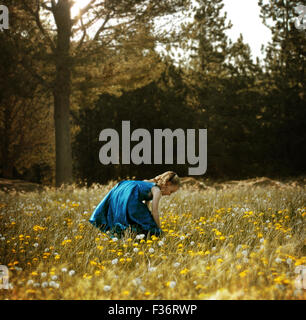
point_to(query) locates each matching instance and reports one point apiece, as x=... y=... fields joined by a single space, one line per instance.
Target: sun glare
x=78 y=5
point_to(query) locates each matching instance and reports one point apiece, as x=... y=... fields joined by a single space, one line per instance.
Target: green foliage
x=254 y=111
x=25 y=118
x=285 y=99
x=160 y=104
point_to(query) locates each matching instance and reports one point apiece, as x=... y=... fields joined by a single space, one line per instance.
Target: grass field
x=243 y=242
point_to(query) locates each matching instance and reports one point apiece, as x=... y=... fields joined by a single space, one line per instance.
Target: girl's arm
x=156 y=197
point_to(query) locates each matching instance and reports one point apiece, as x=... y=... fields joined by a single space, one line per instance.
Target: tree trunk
x=7 y=170
x=61 y=93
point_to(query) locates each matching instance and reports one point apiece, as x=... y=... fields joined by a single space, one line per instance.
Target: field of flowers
x=238 y=243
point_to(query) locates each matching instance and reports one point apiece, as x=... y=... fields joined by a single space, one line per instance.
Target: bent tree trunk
x=61 y=94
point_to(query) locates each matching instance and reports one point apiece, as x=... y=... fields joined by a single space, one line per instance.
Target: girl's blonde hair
x=163 y=178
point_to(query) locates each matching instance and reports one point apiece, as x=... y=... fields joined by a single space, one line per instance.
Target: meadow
x=242 y=242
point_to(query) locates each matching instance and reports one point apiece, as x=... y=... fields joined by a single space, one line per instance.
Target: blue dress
x=122 y=207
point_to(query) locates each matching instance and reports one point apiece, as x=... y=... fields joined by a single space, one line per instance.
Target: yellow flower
x=147 y=293
x=184 y=271
x=243 y=273
x=280 y=279
x=66 y=241
x=30 y=291
x=38 y=228
x=298 y=262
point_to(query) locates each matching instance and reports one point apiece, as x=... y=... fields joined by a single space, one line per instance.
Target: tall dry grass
x=238 y=243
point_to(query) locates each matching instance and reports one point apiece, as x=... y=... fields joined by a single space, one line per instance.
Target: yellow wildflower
x=243 y=273
x=184 y=271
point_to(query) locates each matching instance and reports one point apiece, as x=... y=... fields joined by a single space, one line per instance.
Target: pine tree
x=159 y=104
x=117 y=17
x=285 y=64
x=25 y=118
x=207 y=32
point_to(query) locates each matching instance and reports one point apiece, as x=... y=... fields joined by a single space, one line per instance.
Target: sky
x=244 y=15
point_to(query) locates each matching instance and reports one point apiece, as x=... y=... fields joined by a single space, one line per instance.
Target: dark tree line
x=254 y=111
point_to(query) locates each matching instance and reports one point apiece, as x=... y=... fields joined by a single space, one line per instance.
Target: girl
x=123 y=205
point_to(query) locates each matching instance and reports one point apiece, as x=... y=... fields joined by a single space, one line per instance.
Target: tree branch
x=82 y=11
x=83 y=37
x=35 y=14
x=41 y=80
x=108 y=16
